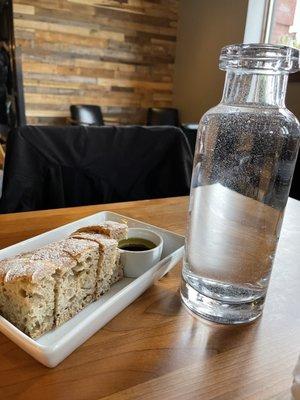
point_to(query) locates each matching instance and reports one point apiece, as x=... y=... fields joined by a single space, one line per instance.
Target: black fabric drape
x=52 y=167
x=4 y=69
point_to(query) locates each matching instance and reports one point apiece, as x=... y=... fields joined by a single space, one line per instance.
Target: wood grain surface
x=118 y=54
x=155 y=349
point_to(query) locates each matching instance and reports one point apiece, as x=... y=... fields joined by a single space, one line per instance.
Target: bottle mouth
x=261 y=57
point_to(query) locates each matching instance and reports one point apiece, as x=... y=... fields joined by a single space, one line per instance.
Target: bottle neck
x=244 y=88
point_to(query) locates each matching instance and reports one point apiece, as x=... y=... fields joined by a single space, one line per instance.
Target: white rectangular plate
x=53 y=347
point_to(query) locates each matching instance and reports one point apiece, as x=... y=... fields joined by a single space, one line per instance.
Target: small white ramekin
x=137 y=262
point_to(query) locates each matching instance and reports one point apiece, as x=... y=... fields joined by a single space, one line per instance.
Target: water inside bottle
x=231 y=243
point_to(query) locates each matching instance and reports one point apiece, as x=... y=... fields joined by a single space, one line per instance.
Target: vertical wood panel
x=118 y=54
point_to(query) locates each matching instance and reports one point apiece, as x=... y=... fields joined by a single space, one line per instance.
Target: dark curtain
x=52 y=167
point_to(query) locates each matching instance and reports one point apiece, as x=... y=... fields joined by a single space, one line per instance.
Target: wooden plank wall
x=118 y=54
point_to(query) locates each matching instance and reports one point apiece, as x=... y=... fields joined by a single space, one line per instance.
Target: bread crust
x=114 y=230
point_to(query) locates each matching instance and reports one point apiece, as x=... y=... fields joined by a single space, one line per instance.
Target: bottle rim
x=261 y=57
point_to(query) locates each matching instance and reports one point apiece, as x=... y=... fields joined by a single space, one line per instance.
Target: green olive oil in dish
x=136 y=244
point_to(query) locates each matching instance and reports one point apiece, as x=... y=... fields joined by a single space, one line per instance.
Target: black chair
x=162 y=116
x=86 y=115
x=52 y=167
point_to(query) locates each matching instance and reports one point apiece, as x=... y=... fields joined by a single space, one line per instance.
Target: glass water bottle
x=244 y=160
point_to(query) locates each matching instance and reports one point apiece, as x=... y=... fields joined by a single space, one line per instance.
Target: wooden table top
x=155 y=349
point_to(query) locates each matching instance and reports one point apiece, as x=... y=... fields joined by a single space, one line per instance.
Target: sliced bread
x=107 y=261
x=76 y=267
x=27 y=294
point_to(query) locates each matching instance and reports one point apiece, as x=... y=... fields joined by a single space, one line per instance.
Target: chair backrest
x=52 y=167
x=86 y=115
x=163 y=116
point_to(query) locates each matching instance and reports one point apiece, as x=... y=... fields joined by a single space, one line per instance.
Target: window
x=274 y=21
x=285 y=26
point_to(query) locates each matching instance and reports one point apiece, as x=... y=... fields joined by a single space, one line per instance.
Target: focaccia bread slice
x=114 y=230
x=65 y=281
x=86 y=254
x=76 y=265
x=108 y=257
x=27 y=290
x=118 y=273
